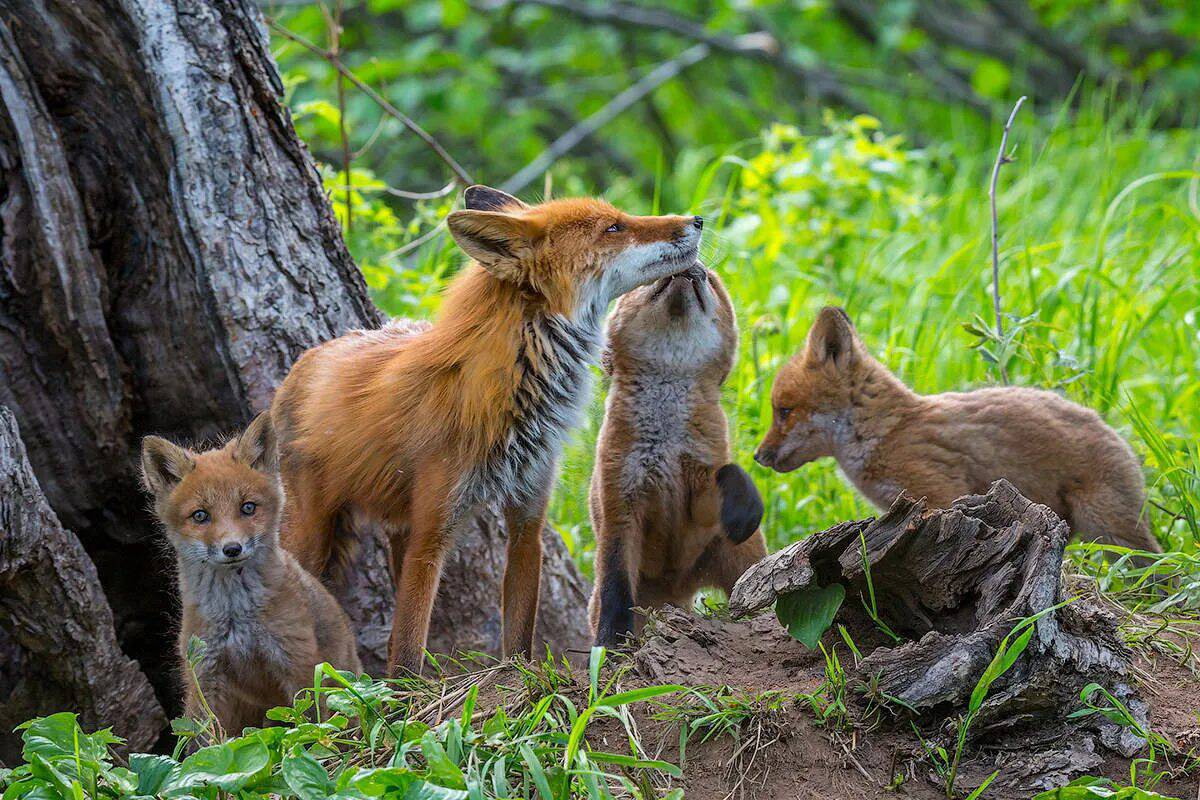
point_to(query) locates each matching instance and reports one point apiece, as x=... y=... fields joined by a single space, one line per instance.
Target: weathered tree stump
x=63 y=652
x=955 y=582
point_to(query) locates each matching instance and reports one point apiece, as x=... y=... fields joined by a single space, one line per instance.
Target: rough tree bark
x=74 y=663
x=166 y=252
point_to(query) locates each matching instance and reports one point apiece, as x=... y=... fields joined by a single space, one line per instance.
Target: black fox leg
x=741 y=504
x=615 y=594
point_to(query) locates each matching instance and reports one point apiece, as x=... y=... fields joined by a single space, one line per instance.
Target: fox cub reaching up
x=671 y=514
x=265 y=620
x=834 y=399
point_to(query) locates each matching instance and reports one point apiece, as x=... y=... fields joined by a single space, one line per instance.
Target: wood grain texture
x=58 y=621
x=953 y=583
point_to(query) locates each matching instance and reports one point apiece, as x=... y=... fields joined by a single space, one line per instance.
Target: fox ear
x=256 y=447
x=832 y=339
x=164 y=465
x=485 y=198
x=501 y=242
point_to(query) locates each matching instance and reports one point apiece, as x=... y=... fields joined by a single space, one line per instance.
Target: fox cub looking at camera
x=671 y=514
x=417 y=430
x=834 y=399
x=266 y=622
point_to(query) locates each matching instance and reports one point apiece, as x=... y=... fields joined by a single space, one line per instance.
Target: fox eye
x=783 y=413
x=199 y=516
x=616 y=227
x=248 y=508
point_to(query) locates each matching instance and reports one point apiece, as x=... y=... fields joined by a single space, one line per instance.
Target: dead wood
x=61 y=647
x=953 y=583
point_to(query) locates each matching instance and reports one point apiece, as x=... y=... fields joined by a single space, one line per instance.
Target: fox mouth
x=695 y=278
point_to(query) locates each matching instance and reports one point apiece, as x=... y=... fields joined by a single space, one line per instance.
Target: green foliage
x=1090 y=788
x=807 y=613
x=348 y=756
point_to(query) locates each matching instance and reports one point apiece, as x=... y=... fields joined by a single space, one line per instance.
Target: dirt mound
x=781 y=750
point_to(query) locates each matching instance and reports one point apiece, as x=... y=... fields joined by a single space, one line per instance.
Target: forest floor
x=760 y=734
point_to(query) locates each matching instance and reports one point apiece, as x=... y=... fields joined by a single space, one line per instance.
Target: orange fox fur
x=416 y=430
x=834 y=399
x=266 y=622
x=671 y=514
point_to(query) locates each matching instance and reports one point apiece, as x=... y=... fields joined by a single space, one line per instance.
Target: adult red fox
x=670 y=512
x=416 y=430
x=834 y=399
x=266 y=622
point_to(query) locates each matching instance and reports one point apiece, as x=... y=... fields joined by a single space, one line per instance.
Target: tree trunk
x=166 y=252
x=66 y=649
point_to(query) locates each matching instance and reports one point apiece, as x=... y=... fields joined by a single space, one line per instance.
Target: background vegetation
x=842 y=151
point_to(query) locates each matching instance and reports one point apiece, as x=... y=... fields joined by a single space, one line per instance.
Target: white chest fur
x=231 y=604
x=660 y=409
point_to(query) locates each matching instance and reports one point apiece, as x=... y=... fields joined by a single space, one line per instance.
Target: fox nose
x=765 y=456
x=231 y=550
x=697 y=222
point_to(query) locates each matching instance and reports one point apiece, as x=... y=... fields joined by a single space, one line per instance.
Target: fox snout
x=766 y=454
x=232 y=551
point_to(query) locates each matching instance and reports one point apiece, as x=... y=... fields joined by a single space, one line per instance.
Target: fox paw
x=741 y=504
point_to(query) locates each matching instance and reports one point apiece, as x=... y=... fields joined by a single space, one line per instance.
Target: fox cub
x=415 y=431
x=671 y=514
x=834 y=399
x=266 y=622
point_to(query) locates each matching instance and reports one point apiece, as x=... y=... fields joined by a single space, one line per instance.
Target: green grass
x=427 y=740
x=1100 y=248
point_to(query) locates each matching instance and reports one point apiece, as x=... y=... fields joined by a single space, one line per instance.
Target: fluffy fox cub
x=834 y=399
x=265 y=620
x=671 y=514
x=416 y=430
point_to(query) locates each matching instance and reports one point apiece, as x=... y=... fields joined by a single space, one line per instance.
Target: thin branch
x=333 y=23
x=1001 y=158
x=760 y=46
x=631 y=95
x=434 y=195
x=1018 y=14
x=405 y=249
x=406 y=195
x=860 y=16
x=460 y=173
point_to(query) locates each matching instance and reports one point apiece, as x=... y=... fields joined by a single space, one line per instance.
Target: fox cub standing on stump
x=834 y=399
x=416 y=431
x=671 y=514
x=265 y=620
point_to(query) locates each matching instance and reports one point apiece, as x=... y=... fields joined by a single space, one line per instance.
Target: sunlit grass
x=1100 y=236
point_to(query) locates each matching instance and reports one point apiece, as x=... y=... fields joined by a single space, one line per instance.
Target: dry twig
x=822 y=83
x=461 y=174
x=631 y=95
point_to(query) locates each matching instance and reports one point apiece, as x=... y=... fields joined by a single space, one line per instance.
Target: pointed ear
x=164 y=465
x=256 y=447
x=500 y=241
x=832 y=339
x=485 y=198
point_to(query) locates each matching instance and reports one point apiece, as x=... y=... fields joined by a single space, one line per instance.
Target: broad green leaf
x=807 y=613
x=229 y=766
x=306 y=777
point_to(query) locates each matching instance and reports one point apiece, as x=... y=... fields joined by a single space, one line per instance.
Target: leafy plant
x=807 y=613
x=1007 y=653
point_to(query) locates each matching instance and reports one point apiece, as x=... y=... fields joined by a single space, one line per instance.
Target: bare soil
x=788 y=754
